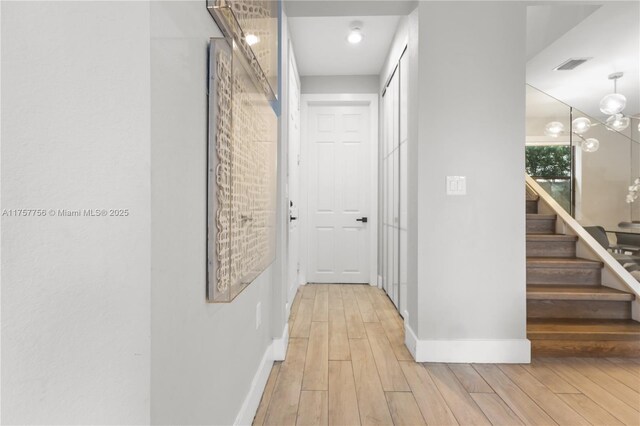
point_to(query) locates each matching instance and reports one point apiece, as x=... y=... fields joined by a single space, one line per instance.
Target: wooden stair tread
x=583 y=329
x=562 y=262
x=574 y=292
x=551 y=237
x=538 y=216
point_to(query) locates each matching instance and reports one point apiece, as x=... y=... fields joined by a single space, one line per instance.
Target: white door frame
x=370 y=100
x=293 y=68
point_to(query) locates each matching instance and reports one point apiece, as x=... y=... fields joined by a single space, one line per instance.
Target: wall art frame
x=242 y=174
x=254 y=26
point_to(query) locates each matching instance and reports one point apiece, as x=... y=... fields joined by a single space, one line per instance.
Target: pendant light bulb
x=615 y=102
x=590 y=145
x=618 y=122
x=581 y=125
x=554 y=129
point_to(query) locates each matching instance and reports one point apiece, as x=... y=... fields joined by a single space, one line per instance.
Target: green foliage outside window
x=548 y=161
x=551 y=166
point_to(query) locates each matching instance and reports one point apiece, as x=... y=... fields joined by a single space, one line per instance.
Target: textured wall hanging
x=253 y=26
x=242 y=161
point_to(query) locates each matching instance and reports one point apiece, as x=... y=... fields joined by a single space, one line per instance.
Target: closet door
x=402 y=166
x=394 y=187
x=386 y=142
x=395 y=199
x=391 y=194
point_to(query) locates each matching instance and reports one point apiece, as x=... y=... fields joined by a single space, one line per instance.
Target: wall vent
x=570 y=64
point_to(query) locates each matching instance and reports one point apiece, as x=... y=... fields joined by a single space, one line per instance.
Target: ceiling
x=321 y=47
x=308 y=8
x=610 y=35
x=607 y=33
x=547 y=23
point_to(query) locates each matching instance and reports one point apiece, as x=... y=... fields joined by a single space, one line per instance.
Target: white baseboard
x=292 y=293
x=276 y=351
x=279 y=346
x=506 y=351
x=410 y=338
x=252 y=400
x=379 y=281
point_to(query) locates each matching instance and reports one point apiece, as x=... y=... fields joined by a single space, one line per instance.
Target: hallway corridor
x=347 y=365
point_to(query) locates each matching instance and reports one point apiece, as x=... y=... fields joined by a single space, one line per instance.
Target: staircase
x=569 y=312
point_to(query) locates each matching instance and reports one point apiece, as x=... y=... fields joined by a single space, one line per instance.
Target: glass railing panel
x=559 y=188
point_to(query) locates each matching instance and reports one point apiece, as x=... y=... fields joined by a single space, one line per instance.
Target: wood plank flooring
x=347 y=365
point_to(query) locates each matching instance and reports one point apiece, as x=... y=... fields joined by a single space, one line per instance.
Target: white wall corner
x=280 y=345
x=252 y=400
x=504 y=351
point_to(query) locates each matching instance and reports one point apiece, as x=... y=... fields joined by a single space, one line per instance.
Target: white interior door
x=294 y=180
x=340 y=173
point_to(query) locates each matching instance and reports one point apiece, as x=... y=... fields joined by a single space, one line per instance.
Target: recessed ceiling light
x=355 y=36
x=252 y=39
x=355 y=32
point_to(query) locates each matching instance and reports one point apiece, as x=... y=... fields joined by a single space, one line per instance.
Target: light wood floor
x=347 y=365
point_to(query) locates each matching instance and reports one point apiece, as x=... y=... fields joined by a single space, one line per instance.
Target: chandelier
x=612 y=105
x=579 y=126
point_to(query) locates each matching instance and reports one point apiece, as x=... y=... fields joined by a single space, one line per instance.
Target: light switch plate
x=456 y=185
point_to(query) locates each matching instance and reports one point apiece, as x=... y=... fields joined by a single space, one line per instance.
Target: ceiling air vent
x=570 y=64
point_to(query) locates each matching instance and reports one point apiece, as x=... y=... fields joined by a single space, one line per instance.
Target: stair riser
x=565 y=276
x=532 y=207
x=583 y=309
x=541 y=226
x=551 y=249
x=581 y=348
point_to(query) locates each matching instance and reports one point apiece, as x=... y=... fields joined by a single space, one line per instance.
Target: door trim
x=347 y=99
x=292 y=67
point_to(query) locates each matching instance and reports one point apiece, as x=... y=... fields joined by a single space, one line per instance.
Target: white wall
x=398 y=44
x=104 y=320
x=204 y=356
x=75 y=135
x=470 y=265
x=333 y=84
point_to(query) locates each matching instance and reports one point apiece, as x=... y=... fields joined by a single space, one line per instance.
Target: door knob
x=292 y=218
x=363 y=219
